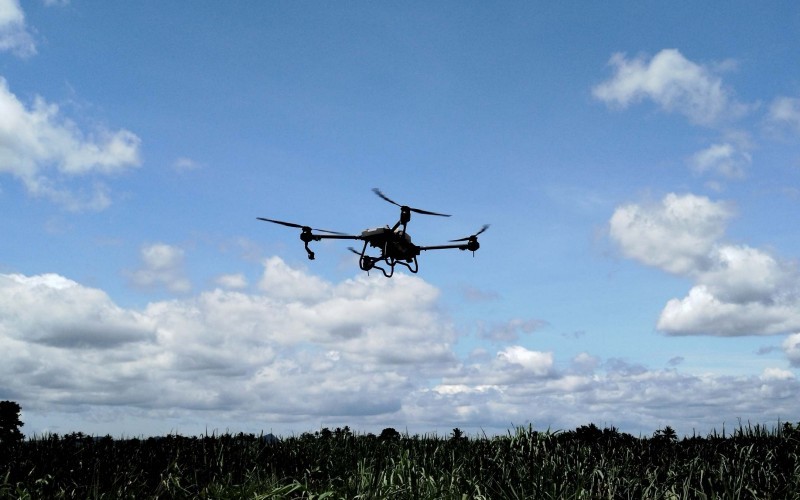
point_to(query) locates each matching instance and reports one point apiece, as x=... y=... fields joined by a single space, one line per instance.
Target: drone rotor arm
x=307 y=235
x=443 y=247
x=469 y=243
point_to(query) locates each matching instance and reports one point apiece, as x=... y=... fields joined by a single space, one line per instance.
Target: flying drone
x=394 y=243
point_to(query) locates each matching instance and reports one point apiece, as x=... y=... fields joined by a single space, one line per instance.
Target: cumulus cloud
x=739 y=290
x=45 y=150
x=525 y=361
x=675 y=235
x=742 y=274
x=162 y=265
x=349 y=351
x=673 y=82
x=703 y=313
x=54 y=311
x=282 y=281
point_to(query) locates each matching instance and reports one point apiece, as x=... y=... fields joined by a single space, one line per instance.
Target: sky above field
x=639 y=164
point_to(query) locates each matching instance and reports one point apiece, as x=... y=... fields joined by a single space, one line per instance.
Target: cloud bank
x=364 y=352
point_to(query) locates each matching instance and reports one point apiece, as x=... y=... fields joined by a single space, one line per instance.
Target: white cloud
x=351 y=351
x=703 y=313
x=532 y=362
x=674 y=83
x=745 y=292
x=739 y=290
x=53 y=311
x=677 y=235
x=96 y=199
x=785 y=112
x=724 y=159
x=791 y=346
x=742 y=274
x=584 y=363
x=232 y=281
x=162 y=265
x=44 y=150
x=777 y=374
x=282 y=281
x=14 y=34
x=634 y=400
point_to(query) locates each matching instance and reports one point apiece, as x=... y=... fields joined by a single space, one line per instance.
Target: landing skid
x=368 y=263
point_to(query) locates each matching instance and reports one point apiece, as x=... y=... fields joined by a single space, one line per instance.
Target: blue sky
x=638 y=163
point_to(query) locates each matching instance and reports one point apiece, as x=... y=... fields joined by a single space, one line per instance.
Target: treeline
x=588 y=462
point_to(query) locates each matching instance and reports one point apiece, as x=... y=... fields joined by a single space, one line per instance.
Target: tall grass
x=751 y=462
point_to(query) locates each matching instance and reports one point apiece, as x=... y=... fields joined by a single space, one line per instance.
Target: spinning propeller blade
x=474 y=236
x=417 y=210
x=292 y=224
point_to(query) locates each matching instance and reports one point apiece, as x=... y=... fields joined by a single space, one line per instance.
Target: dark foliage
x=10 y=423
x=588 y=462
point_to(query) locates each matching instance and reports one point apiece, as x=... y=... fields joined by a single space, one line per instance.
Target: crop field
x=589 y=462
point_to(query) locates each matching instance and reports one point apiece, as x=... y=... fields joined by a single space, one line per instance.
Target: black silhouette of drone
x=394 y=243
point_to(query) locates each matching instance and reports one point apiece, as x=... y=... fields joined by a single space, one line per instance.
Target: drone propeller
x=292 y=224
x=417 y=210
x=474 y=236
x=354 y=251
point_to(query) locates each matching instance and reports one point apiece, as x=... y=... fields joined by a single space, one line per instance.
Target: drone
x=394 y=243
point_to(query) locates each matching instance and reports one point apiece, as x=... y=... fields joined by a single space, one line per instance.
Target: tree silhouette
x=390 y=434
x=667 y=434
x=10 y=423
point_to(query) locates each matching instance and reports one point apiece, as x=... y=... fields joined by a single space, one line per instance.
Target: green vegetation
x=753 y=462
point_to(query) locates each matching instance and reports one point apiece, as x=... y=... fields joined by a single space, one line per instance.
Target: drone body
x=393 y=243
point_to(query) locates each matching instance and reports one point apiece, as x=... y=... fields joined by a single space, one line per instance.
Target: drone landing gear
x=390 y=262
x=367 y=263
x=407 y=265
